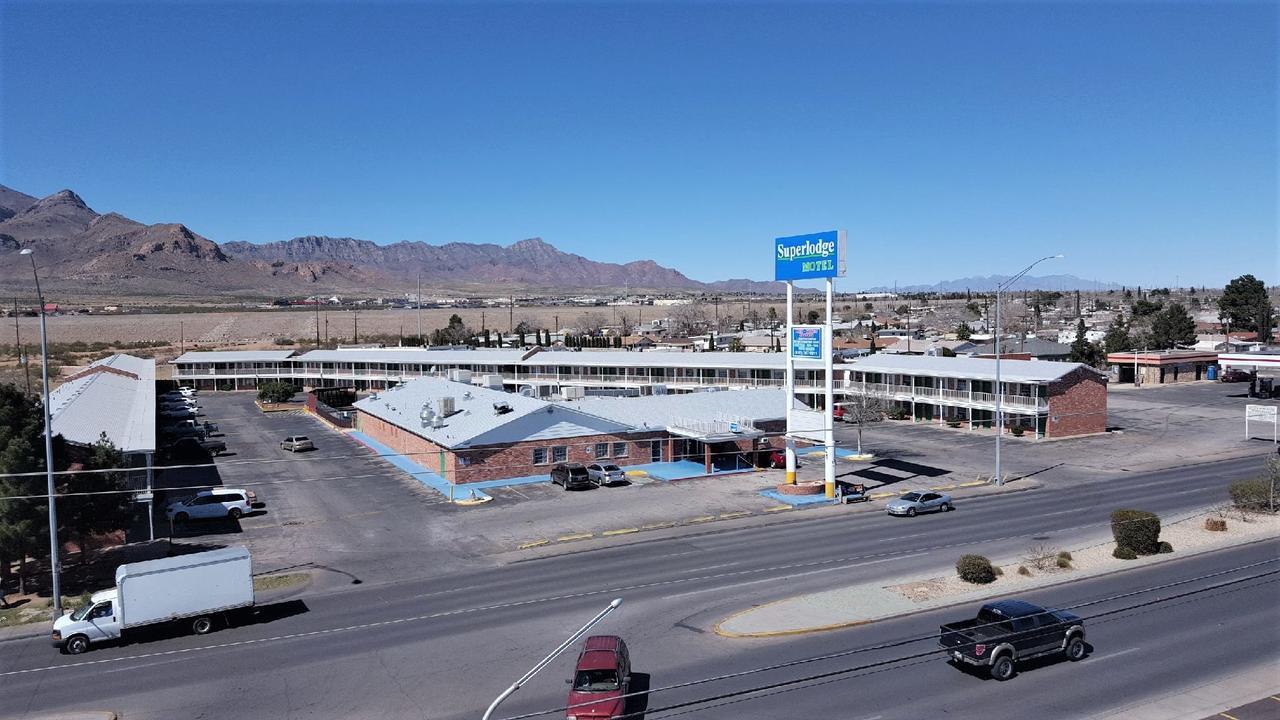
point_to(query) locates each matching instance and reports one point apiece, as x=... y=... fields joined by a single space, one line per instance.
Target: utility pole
x=355 y=327
x=420 y=310
x=326 y=328
x=511 y=315
x=317 y=308
x=17 y=342
x=182 y=338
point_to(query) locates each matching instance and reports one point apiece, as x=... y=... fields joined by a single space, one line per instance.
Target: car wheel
x=946 y=507
x=911 y=512
x=180 y=518
x=234 y=513
x=1003 y=668
x=201 y=625
x=77 y=644
x=1075 y=649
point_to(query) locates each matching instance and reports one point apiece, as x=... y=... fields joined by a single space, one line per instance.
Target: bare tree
x=591 y=323
x=688 y=319
x=626 y=323
x=863 y=409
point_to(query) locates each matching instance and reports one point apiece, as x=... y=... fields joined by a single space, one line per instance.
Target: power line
x=916 y=639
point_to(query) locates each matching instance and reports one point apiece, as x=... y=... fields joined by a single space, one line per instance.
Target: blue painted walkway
x=797 y=500
x=419 y=473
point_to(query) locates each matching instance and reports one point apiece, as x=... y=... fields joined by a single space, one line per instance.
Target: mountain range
x=988 y=283
x=81 y=252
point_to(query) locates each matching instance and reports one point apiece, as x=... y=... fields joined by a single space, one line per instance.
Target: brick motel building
x=466 y=433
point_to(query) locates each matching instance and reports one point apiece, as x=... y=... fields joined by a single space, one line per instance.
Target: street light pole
x=1001 y=287
x=547 y=660
x=48 y=448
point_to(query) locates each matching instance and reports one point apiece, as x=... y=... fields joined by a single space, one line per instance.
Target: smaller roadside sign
x=1264 y=413
x=806 y=342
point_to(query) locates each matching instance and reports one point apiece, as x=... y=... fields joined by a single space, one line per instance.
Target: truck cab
x=1011 y=631
x=95 y=622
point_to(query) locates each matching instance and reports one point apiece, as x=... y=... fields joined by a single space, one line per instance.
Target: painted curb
x=718 y=630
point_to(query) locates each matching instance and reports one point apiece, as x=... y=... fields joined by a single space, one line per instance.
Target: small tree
x=82 y=515
x=276 y=392
x=1117 y=338
x=863 y=409
x=735 y=344
x=1081 y=349
x=1244 y=303
x=963 y=331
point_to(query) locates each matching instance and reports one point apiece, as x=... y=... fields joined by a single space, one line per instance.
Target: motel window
x=559 y=453
x=619 y=449
x=539 y=456
x=602 y=450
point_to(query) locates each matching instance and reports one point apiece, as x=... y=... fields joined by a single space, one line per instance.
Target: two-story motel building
x=1047 y=399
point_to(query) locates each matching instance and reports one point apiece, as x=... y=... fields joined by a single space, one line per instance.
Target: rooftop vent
x=501 y=408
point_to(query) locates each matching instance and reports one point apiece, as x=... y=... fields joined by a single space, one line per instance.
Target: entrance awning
x=712 y=431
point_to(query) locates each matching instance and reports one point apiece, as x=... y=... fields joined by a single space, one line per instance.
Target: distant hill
x=988 y=283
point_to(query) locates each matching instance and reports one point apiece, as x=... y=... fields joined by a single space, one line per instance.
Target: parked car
x=605 y=473
x=188 y=431
x=837 y=413
x=912 y=503
x=297 y=443
x=1010 y=631
x=1235 y=375
x=778 y=459
x=215 y=503
x=570 y=475
x=600 y=681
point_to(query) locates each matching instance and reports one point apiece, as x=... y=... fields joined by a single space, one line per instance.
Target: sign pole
x=830 y=431
x=791 y=388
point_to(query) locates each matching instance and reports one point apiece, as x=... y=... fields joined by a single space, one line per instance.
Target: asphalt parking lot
x=337 y=512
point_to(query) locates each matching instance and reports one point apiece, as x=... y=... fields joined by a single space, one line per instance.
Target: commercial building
x=468 y=434
x=1047 y=399
x=114 y=397
x=965 y=386
x=1264 y=362
x=1158 y=367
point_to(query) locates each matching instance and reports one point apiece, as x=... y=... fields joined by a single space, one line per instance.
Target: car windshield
x=595 y=680
x=912 y=497
x=611 y=468
x=80 y=614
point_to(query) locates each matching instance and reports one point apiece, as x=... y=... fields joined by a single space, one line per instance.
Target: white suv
x=216 y=503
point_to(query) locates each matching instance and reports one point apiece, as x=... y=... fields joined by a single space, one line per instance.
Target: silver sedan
x=605 y=473
x=913 y=503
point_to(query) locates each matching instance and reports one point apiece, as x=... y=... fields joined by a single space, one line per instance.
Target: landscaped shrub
x=284 y=341
x=975 y=569
x=998 y=570
x=1064 y=563
x=1022 y=570
x=276 y=392
x=1215 y=524
x=1256 y=495
x=1164 y=548
x=1137 y=530
x=1017 y=431
x=1124 y=553
x=1065 y=555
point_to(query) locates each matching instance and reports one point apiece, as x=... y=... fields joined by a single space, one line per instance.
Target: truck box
x=183 y=586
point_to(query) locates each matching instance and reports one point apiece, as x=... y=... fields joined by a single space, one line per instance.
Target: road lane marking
x=1115 y=654
x=792 y=576
x=1229 y=717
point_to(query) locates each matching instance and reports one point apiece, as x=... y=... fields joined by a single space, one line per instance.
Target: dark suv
x=571 y=475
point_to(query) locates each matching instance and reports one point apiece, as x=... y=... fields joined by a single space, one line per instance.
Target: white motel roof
x=659 y=412
x=115 y=395
x=476 y=419
x=233 y=356
x=1023 y=371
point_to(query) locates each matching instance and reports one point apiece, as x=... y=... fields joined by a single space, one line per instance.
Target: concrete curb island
x=866 y=603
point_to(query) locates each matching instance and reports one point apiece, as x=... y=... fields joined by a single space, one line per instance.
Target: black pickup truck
x=1011 y=631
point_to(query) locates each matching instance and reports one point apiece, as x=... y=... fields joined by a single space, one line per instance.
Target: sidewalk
x=868 y=602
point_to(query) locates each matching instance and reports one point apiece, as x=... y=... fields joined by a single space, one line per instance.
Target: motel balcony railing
x=945 y=395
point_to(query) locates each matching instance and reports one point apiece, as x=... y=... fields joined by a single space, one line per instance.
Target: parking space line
x=972 y=483
x=877 y=496
x=577 y=536
x=736 y=514
x=702 y=519
x=944 y=487
x=777 y=508
x=534 y=543
x=622 y=531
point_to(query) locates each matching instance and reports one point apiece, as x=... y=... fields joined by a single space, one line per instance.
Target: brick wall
x=495 y=463
x=1079 y=402
x=418 y=449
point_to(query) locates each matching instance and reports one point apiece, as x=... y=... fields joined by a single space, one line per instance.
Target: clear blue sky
x=949 y=139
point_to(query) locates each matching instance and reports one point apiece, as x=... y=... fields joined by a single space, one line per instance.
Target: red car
x=1232 y=376
x=600 y=680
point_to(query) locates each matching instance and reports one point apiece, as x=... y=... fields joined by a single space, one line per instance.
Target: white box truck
x=194 y=588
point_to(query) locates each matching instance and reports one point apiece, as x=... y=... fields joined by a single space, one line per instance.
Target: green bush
x=1022 y=570
x=1064 y=563
x=1124 y=553
x=226 y=387
x=1164 y=548
x=276 y=392
x=283 y=341
x=998 y=570
x=1065 y=555
x=1017 y=431
x=1137 y=530
x=975 y=569
x=1256 y=495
